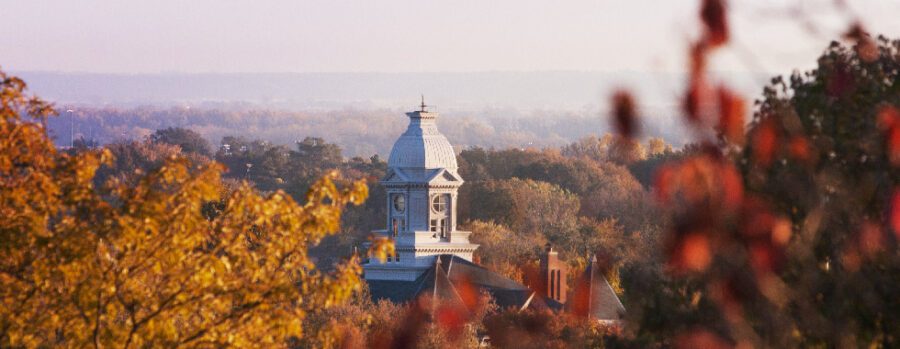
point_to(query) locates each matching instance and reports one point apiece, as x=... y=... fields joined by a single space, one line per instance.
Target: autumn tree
x=546 y=329
x=523 y=205
x=130 y=160
x=188 y=140
x=503 y=250
x=823 y=155
x=784 y=235
x=140 y=264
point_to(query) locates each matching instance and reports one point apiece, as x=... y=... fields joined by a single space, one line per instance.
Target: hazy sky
x=410 y=35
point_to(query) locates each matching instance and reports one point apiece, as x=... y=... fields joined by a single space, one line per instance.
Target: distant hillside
x=358 y=132
x=362 y=111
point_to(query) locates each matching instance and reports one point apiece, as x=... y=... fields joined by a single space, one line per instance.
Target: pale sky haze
x=190 y=36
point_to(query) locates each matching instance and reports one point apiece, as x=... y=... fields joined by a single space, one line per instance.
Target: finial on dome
x=423 y=106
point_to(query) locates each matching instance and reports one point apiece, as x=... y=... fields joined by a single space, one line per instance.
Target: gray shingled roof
x=444 y=276
x=594 y=297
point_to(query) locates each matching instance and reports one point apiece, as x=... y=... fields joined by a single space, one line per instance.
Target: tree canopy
x=140 y=264
x=188 y=140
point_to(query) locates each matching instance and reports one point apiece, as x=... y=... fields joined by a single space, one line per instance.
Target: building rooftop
x=446 y=275
x=422 y=146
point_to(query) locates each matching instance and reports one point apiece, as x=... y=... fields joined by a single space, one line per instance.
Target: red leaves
x=732 y=186
x=768 y=141
x=692 y=252
x=624 y=113
x=871 y=238
x=731 y=116
x=712 y=13
x=450 y=318
x=694 y=104
x=712 y=214
x=704 y=189
x=453 y=315
x=764 y=143
x=840 y=80
x=757 y=221
x=692 y=99
x=870 y=241
x=895 y=213
x=765 y=235
x=889 y=122
x=467 y=293
x=865 y=47
x=764 y=257
x=700 y=180
x=781 y=232
x=697 y=84
x=697 y=60
x=699 y=338
x=798 y=147
x=579 y=302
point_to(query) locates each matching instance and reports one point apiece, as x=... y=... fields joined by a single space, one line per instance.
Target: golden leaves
x=380 y=248
x=140 y=264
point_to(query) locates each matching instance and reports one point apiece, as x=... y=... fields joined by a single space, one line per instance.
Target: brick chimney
x=553 y=275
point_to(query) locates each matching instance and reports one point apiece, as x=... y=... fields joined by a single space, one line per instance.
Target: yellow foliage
x=140 y=264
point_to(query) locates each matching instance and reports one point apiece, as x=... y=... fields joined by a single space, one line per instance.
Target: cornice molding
x=423 y=185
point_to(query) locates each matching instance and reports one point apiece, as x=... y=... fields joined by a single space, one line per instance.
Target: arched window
x=440 y=207
x=439 y=203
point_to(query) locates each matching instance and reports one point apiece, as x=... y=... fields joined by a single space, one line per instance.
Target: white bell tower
x=421 y=185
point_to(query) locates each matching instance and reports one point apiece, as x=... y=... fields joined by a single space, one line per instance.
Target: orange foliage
x=865 y=47
x=889 y=121
x=731 y=116
x=691 y=253
x=764 y=143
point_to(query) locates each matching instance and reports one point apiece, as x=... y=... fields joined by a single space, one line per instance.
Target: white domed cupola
x=421 y=185
x=422 y=145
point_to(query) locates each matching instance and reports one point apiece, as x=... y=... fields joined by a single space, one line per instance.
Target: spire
x=422 y=112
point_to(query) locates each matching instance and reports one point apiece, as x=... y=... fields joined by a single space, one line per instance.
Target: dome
x=422 y=145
